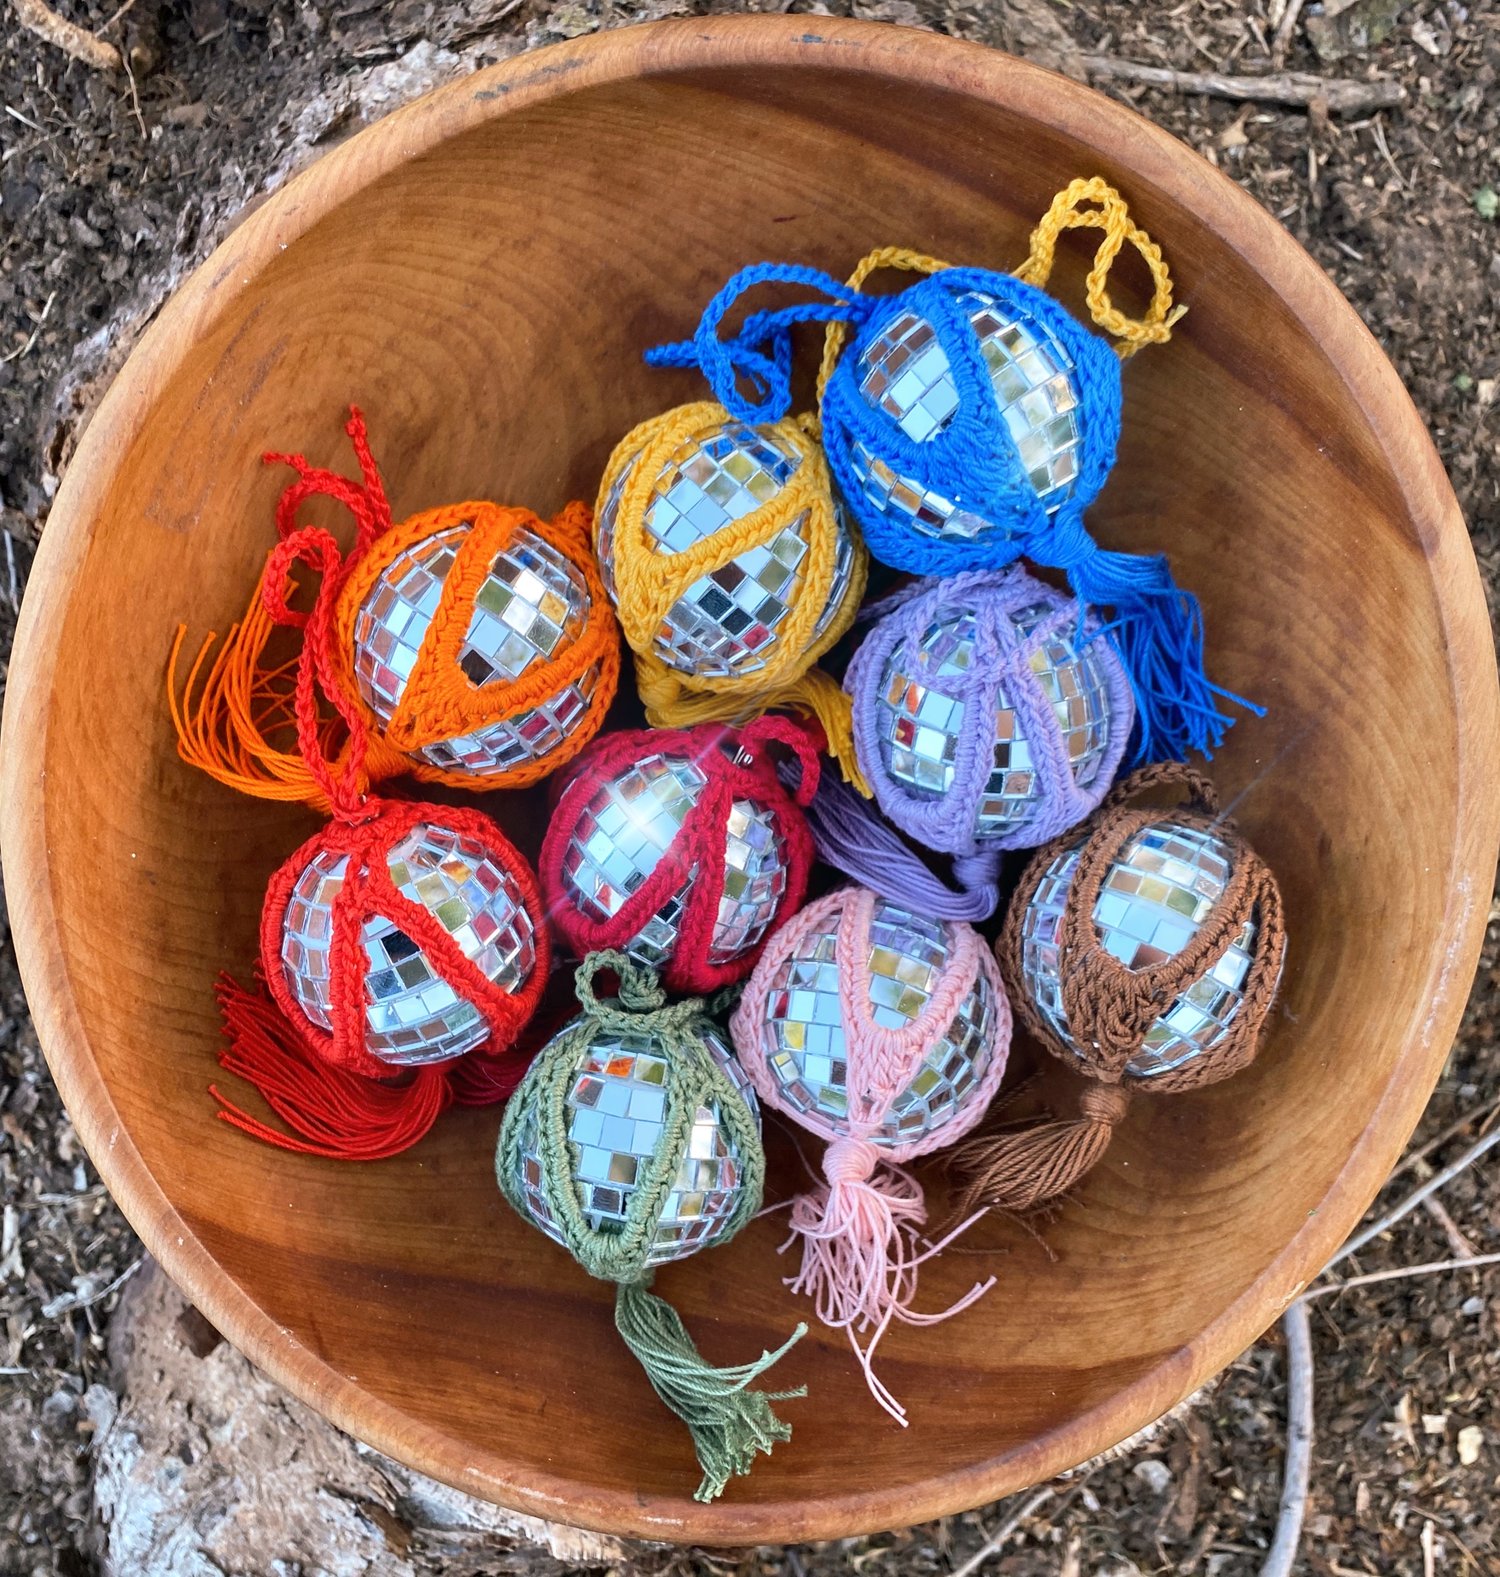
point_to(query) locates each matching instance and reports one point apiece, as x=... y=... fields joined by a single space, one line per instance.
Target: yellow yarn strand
x=1112 y=216
x=648 y=583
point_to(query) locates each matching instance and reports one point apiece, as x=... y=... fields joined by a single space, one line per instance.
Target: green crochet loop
x=728 y=1421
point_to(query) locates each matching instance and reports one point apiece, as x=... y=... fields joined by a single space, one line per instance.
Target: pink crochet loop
x=860 y=1230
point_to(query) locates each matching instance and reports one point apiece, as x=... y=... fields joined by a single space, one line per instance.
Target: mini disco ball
x=531 y=607
x=905 y=372
x=616 y=1120
x=412 y=1015
x=1160 y=889
x=725 y=623
x=918 y=725
x=908 y=955
x=631 y=820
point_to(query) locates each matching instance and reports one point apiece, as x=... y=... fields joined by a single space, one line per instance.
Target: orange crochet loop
x=235 y=718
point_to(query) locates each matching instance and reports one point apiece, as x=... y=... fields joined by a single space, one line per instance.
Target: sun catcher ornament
x=988 y=714
x=970 y=419
x=633 y=1142
x=681 y=847
x=730 y=566
x=1144 y=949
x=475 y=640
x=886 y=1034
x=402 y=947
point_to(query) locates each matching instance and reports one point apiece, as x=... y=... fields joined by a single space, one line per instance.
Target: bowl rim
x=665 y=48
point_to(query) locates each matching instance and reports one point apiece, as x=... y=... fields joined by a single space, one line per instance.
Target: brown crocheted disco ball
x=1143 y=948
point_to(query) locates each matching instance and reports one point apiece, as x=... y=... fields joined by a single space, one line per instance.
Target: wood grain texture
x=481 y=272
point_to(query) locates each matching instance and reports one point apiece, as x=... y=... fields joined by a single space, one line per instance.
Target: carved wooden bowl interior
x=481 y=272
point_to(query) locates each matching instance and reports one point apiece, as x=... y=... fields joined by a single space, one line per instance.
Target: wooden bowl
x=481 y=271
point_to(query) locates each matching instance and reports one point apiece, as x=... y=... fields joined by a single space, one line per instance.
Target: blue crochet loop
x=761 y=353
x=972 y=460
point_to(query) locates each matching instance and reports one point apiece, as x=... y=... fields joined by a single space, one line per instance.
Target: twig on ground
x=1415 y=1198
x=24 y=349
x=1401 y=1273
x=1480 y=1115
x=1281 y=39
x=1341 y=95
x=1299 y=1435
x=1002 y=1533
x=13 y=579
x=1461 y=1246
x=67 y=36
x=84 y=1300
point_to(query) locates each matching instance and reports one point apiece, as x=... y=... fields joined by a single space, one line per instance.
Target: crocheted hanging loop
x=731 y=569
x=474 y=642
x=988 y=715
x=1144 y=949
x=393 y=945
x=682 y=847
x=885 y=1033
x=633 y=1142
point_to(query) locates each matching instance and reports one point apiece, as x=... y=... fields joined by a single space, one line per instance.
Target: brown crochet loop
x=1110 y=1009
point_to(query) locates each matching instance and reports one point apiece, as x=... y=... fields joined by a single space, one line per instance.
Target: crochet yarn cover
x=995 y=673
x=236 y=719
x=1111 y=1008
x=729 y=1422
x=859 y=1228
x=648 y=582
x=739 y=766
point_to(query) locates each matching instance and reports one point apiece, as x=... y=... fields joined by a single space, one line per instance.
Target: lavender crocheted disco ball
x=906 y=373
x=616 y=1117
x=726 y=622
x=412 y=1014
x=633 y=819
x=530 y=608
x=907 y=958
x=919 y=723
x=1158 y=892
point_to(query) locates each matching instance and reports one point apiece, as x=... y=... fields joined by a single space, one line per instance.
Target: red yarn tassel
x=338 y=1115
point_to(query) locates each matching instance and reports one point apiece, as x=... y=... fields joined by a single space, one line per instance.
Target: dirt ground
x=109 y=187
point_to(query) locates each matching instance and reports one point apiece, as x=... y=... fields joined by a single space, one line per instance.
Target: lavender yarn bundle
x=988 y=715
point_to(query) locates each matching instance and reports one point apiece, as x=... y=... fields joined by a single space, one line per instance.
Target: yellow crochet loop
x=1112 y=216
x=648 y=582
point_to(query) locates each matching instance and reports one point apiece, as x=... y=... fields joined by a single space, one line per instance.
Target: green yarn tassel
x=729 y=1422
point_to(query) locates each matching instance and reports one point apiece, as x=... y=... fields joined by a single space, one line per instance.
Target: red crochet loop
x=700 y=842
x=367 y=889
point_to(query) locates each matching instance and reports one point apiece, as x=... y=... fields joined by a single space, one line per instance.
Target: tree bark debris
x=1300 y=89
x=76 y=41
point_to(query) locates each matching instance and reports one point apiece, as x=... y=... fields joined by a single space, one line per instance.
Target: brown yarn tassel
x=1032 y=1165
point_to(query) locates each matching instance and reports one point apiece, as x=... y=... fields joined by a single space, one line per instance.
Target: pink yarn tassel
x=860 y=1252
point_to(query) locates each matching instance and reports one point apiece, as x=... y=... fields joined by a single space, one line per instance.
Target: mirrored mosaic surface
x=1156 y=895
x=530 y=608
x=804 y=1028
x=906 y=373
x=727 y=621
x=413 y=1015
x=633 y=819
x=616 y=1120
x=919 y=721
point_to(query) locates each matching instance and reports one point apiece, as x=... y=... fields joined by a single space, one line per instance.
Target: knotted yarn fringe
x=1033 y=1164
x=728 y=1421
x=853 y=839
x=1157 y=629
x=332 y=1113
x=860 y=1253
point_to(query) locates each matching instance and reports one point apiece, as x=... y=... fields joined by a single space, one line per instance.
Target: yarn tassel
x=1157 y=628
x=729 y=1422
x=334 y=1114
x=852 y=839
x=1035 y=1163
x=860 y=1252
